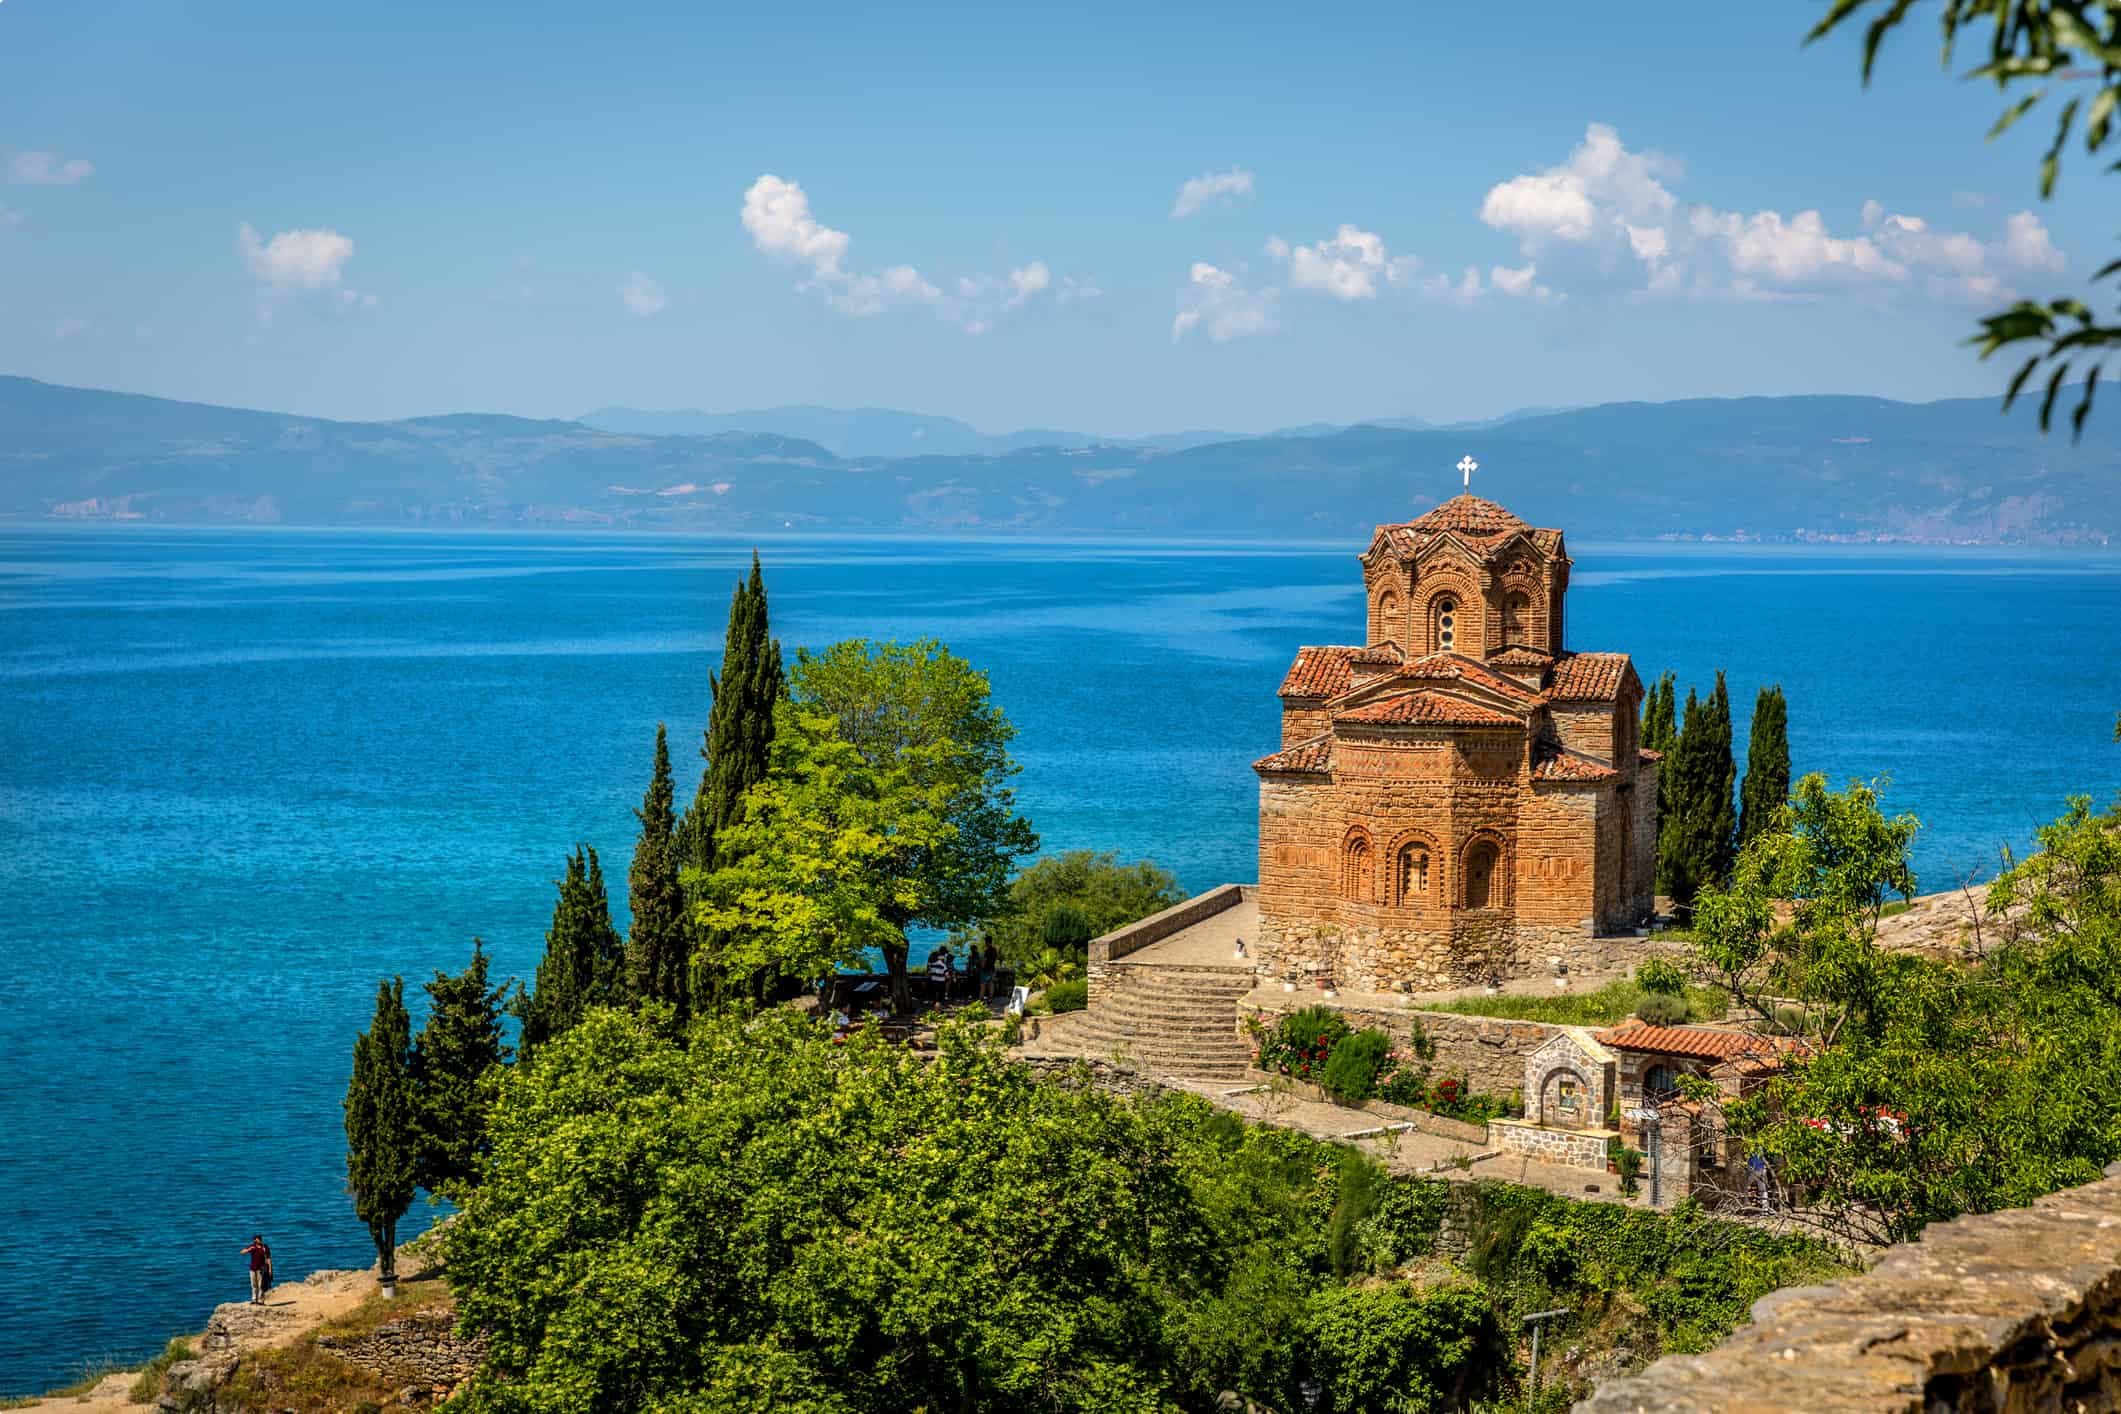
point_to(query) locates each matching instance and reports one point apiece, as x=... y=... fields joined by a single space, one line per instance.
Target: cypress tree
x=381 y=1133
x=659 y=949
x=1677 y=866
x=740 y=723
x=1720 y=809
x=1658 y=732
x=1767 y=765
x=457 y=1049
x=584 y=963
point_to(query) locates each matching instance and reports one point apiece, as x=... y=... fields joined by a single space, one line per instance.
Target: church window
x=1446 y=625
x=1659 y=1084
x=1516 y=618
x=1413 y=873
x=1480 y=874
x=1358 y=871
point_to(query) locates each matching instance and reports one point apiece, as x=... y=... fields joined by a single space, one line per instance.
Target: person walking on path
x=260 y=1269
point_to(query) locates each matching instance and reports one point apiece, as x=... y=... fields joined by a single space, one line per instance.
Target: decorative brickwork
x=1461 y=797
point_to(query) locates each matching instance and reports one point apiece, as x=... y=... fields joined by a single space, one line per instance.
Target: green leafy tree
x=1767 y=765
x=451 y=1071
x=1397 y=1348
x=1060 y=903
x=1924 y=1087
x=659 y=948
x=760 y=1218
x=739 y=738
x=1698 y=826
x=382 y=1136
x=2035 y=48
x=890 y=809
x=584 y=964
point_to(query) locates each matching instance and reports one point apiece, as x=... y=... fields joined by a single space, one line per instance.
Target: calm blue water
x=245 y=774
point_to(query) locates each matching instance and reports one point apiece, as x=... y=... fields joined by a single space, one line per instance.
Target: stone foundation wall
x=421 y=1349
x=1464 y=951
x=2018 y=1310
x=1577 y=1148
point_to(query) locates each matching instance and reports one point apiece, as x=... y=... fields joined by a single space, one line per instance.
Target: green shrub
x=1301 y=1042
x=1350 y=1072
x=1072 y=995
x=147 y=1385
x=1362 y=1184
x=1663 y=1009
x=1630 y=1165
x=1398 y=1349
x=1661 y=976
x=1065 y=927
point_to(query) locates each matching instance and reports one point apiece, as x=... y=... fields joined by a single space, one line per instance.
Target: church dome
x=1469 y=515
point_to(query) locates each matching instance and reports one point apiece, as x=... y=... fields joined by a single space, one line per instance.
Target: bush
x=1072 y=995
x=1790 y=1020
x=1301 y=1042
x=1629 y=1162
x=1065 y=927
x=1398 y=1349
x=1661 y=976
x=1351 y=1070
x=1663 y=1009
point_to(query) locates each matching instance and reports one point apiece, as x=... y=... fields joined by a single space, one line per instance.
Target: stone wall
x=1577 y=1148
x=420 y=1349
x=2010 y=1311
x=1157 y=926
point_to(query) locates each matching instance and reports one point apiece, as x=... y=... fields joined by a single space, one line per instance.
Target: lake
x=247 y=773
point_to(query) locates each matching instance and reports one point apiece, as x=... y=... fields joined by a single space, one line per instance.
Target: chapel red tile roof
x=1480 y=523
x=1522 y=656
x=1428 y=709
x=1588 y=677
x=1649 y=755
x=1698 y=1042
x=1560 y=764
x=1454 y=667
x=1313 y=756
x=1474 y=514
x=1319 y=671
x=1387 y=654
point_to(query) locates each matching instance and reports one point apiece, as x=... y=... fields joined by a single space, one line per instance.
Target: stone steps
x=1177 y=1021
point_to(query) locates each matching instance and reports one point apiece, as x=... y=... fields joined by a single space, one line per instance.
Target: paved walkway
x=1208 y=943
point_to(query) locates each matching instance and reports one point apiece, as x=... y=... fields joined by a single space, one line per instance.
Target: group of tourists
x=983 y=963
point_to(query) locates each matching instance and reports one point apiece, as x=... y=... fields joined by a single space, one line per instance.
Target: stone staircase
x=1176 y=1021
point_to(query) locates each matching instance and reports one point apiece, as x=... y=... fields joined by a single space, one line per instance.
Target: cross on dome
x=1468 y=466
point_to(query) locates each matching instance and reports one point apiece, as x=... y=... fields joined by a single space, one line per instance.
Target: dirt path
x=237 y=1326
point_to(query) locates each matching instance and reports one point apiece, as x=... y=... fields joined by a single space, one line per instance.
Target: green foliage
x=1661 y=976
x=1072 y=995
x=1398 y=1349
x=1361 y=1185
x=584 y=964
x=382 y=1143
x=451 y=1073
x=1660 y=733
x=1662 y=1009
x=1928 y=1088
x=1628 y=1164
x=890 y=807
x=2032 y=44
x=1351 y=1069
x=1300 y=1043
x=147 y=1385
x=1767 y=765
x=1615 y=1002
x=1060 y=903
x=740 y=724
x=659 y=942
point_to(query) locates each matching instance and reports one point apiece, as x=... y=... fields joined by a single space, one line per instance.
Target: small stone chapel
x=1458 y=798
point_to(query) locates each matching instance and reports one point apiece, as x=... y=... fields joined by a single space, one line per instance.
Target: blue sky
x=389 y=209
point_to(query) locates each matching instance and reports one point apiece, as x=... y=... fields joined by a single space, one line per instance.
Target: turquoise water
x=246 y=773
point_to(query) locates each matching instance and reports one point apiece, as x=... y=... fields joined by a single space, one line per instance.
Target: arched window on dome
x=1411 y=874
x=1447 y=625
x=1358 y=871
x=1480 y=874
x=1516 y=619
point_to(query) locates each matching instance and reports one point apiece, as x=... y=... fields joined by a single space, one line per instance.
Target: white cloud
x=44 y=169
x=1519 y=284
x=297 y=263
x=643 y=297
x=1221 y=304
x=1608 y=217
x=1348 y=266
x=778 y=217
x=1196 y=192
x=1072 y=289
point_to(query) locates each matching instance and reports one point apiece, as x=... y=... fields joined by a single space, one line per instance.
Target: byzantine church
x=1459 y=798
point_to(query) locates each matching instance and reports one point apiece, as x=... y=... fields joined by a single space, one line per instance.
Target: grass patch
x=1614 y=1002
x=148 y=1383
x=1894 y=909
x=304 y=1377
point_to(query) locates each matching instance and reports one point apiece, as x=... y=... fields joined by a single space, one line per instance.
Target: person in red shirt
x=260 y=1269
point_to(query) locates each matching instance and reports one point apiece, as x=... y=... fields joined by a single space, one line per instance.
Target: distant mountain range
x=1803 y=468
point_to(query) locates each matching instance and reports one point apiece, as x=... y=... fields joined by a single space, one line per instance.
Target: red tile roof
x=1699 y=1042
x=1480 y=523
x=1428 y=709
x=1319 y=672
x=1522 y=656
x=1649 y=755
x=1588 y=677
x=1386 y=653
x=1453 y=667
x=1559 y=764
x=1315 y=755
